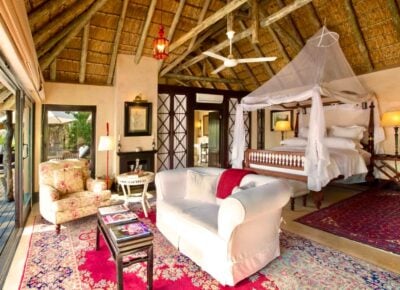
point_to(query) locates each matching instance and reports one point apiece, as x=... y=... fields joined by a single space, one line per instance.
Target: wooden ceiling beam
x=44 y=10
x=241 y=35
x=78 y=24
x=258 y=51
x=255 y=21
x=362 y=46
x=292 y=24
x=172 y=28
x=199 y=21
x=208 y=22
x=117 y=38
x=213 y=30
x=195 y=82
x=145 y=29
x=205 y=75
x=313 y=12
x=181 y=83
x=57 y=24
x=202 y=79
x=394 y=11
x=281 y=48
x=53 y=70
x=84 y=52
x=9 y=103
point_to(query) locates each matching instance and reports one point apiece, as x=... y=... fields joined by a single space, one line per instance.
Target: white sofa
x=230 y=238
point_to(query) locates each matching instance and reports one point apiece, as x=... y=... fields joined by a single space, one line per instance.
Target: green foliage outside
x=79 y=131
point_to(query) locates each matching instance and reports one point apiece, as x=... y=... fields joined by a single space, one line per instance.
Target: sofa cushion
x=80 y=200
x=201 y=187
x=68 y=180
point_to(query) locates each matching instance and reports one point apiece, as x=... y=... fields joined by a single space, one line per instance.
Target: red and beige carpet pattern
x=70 y=261
x=371 y=217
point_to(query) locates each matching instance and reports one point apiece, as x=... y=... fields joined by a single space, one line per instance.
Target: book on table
x=120 y=217
x=129 y=231
x=118 y=208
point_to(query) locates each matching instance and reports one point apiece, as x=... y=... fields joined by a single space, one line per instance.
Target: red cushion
x=229 y=179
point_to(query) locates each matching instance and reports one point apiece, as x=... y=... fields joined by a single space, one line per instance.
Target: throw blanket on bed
x=229 y=179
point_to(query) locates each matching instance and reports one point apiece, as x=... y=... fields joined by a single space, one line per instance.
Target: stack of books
x=116 y=214
x=133 y=234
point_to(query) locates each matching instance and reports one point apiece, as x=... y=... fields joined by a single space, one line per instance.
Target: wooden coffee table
x=126 y=248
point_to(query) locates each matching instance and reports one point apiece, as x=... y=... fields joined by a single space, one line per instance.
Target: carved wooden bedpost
x=371 y=139
x=296 y=125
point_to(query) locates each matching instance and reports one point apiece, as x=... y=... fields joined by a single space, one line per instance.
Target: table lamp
x=392 y=119
x=106 y=143
x=283 y=126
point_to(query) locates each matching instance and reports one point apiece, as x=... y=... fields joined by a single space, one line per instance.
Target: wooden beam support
x=53 y=70
x=281 y=48
x=79 y=23
x=199 y=21
x=56 y=25
x=208 y=22
x=287 y=36
x=362 y=46
x=394 y=11
x=315 y=18
x=208 y=61
x=172 y=28
x=5 y=95
x=255 y=21
x=181 y=83
x=84 y=51
x=213 y=30
x=246 y=66
x=44 y=10
x=263 y=23
x=145 y=29
x=292 y=24
x=201 y=79
x=117 y=38
x=196 y=83
x=258 y=51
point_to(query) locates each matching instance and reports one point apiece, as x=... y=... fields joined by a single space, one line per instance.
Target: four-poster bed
x=319 y=72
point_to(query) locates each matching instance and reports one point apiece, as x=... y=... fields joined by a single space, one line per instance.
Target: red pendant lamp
x=160 y=45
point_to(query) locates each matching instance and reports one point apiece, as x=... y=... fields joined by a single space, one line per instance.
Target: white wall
x=130 y=80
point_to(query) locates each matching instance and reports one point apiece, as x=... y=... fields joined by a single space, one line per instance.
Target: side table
x=130 y=247
x=380 y=162
x=126 y=180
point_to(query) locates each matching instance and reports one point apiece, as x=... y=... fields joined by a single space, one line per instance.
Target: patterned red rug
x=70 y=261
x=371 y=217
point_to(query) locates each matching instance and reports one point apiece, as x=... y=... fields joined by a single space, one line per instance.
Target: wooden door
x=214 y=129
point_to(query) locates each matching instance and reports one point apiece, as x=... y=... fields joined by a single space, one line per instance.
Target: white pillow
x=340 y=143
x=201 y=187
x=303 y=132
x=294 y=142
x=352 y=132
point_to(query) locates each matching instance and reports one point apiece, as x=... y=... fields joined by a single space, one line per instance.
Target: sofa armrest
x=96 y=185
x=171 y=184
x=249 y=204
x=48 y=193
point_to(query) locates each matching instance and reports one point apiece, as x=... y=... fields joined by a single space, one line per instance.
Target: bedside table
x=380 y=162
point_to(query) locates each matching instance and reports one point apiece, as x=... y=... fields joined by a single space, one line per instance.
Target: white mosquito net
x=320 y=68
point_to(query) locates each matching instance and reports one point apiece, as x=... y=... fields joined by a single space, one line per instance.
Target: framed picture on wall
x=137 y=119
x=281 y=116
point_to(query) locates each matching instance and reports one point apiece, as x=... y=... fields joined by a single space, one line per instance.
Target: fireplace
x=128 y=159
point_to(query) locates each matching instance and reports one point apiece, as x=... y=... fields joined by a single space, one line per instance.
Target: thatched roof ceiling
x=71 y=51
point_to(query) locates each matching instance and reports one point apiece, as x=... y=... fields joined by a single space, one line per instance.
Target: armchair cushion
x=74 y=201
x=96 y=185
x=68 y=180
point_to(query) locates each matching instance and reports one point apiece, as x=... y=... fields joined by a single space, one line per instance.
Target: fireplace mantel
x=129 y=157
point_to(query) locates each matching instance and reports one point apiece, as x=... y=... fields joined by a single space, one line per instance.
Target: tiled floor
x=332 y=194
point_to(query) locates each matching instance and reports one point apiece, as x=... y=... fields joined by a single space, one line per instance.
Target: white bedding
x=344 y=162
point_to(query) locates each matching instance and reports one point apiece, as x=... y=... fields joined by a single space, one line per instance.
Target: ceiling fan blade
x=256 y=59
x=214 y=55
x=217 y=70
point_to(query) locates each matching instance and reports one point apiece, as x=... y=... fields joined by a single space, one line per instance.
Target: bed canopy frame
x=319 y=69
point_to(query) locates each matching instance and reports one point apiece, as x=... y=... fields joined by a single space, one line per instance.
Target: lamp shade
x=106 y=143
x=283 y=126
x=391 y=119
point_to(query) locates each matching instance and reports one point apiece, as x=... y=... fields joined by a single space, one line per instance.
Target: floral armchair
x=66 y=191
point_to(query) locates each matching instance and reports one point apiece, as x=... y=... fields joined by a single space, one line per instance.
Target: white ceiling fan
x=231 y=61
